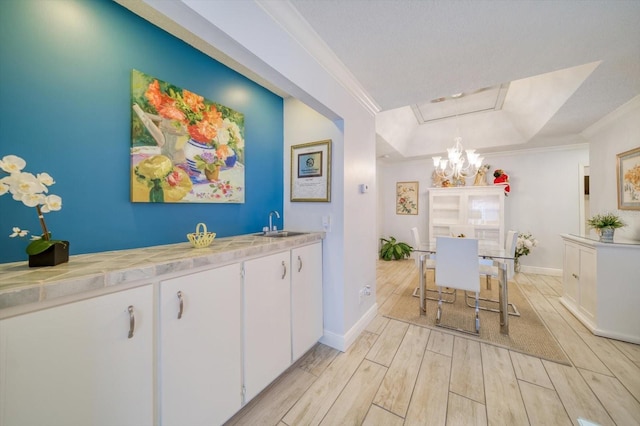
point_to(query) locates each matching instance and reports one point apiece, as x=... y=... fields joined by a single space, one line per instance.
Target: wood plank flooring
x=402 y=374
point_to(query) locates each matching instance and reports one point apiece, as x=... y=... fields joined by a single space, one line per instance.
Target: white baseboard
x=342 y=342
x=540 y=270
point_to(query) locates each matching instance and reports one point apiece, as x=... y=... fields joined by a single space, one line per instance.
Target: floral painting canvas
x=184 y=148
x=407 y=198
x=629 y=180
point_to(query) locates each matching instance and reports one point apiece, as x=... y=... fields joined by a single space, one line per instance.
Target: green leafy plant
x=394 y=250
x=606 y=220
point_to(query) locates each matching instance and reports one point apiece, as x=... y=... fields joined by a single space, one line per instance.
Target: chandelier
x=457 y=167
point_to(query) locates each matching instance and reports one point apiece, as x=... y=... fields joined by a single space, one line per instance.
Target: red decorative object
x=501 y=178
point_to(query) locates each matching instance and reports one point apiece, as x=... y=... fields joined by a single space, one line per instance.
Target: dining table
x=498 y=256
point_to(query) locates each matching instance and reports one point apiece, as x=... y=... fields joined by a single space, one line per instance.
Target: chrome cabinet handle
x=181 y=304
x=132 y=321
x=299 y=264
x=284 y=270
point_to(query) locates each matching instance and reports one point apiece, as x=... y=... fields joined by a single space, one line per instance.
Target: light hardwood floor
x=402 y=374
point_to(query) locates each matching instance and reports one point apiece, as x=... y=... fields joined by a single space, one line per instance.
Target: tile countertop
x=24 y=289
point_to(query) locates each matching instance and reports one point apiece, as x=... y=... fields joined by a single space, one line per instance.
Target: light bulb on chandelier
x=456 y=168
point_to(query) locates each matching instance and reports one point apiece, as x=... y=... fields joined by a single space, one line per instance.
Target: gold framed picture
x=311 y=172
x=407 y=198
x=628 y=171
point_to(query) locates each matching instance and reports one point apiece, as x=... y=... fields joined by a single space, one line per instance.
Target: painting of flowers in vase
x=184 y=148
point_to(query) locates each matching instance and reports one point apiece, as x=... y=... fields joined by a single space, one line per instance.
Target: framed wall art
x=311 y=171
x=184 y=148
x=628 y=177
x=407 y=198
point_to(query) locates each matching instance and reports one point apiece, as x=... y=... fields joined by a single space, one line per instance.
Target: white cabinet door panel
x=571 y=272
x=267 y=321
x=306 y=298
x=200 y=352
x=75 y=364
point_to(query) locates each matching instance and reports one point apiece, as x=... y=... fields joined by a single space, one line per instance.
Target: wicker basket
x=201 y=238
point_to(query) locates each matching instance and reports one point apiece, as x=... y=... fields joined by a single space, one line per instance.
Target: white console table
x=601 y=286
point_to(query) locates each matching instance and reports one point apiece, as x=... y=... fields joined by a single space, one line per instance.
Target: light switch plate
x=326 y=223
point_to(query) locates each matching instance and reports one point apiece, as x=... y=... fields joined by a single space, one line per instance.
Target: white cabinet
x=200 y=347
x=579 y=278
x=306 y=298
x=600 y=286
x=267 y=320
x=76 y=364
x=480 y=208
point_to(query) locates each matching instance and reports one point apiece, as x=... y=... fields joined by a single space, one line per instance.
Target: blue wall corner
x=65 y=90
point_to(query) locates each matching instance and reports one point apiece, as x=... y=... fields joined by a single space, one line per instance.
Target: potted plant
x=394 y=250
x=31 y=191
x=605 y=225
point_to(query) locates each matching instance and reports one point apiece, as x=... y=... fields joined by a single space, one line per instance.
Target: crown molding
x=288 y=17
x=613 y=116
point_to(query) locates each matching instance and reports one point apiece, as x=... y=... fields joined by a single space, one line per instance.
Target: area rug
x=527 y=333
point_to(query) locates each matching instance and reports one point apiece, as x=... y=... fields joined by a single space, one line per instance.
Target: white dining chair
x=430 y=264
x=491 y=271
x=418 y=245
x=468 y=231
x=457 y=267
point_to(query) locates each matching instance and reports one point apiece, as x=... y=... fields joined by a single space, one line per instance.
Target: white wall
x=544 y=199
x=260 y=44
x=303 y=125
x=616 y=133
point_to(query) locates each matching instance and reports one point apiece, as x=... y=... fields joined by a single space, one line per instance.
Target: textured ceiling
x=406 y=52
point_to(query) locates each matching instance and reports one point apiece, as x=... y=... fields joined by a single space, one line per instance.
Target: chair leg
x=477 y=312
x=439 y=312
x=515 y=312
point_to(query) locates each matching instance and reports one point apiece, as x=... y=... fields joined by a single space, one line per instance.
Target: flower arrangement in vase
x=32 y=191
x=605 y=225
x=524 y=244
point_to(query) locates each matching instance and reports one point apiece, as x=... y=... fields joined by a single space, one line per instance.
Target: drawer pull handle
x=132 y=321
x=284 y=270
x=574 y=276
x=299 y=264
x=181 y=305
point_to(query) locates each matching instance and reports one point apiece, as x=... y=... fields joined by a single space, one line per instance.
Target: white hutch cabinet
x=479 y=208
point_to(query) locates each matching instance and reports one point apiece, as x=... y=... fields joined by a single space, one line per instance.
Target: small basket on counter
x=201 y=238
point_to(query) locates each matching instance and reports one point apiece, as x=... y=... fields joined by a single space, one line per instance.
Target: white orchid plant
x=32 y=192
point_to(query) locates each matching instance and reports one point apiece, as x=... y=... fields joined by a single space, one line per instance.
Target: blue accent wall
x=65 y=77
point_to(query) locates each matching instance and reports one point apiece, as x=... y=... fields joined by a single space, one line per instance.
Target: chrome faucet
x=271 y=213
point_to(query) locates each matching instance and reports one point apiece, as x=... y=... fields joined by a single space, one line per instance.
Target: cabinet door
x=306 y=298
x=445 y=209
x=267 y=321
x=571 y=271
x=485 y=212
x=200 y=352
x=588 y=296
x=479 y=208
x=76 y=365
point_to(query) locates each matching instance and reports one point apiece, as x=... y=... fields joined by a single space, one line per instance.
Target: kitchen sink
x=281 y=234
